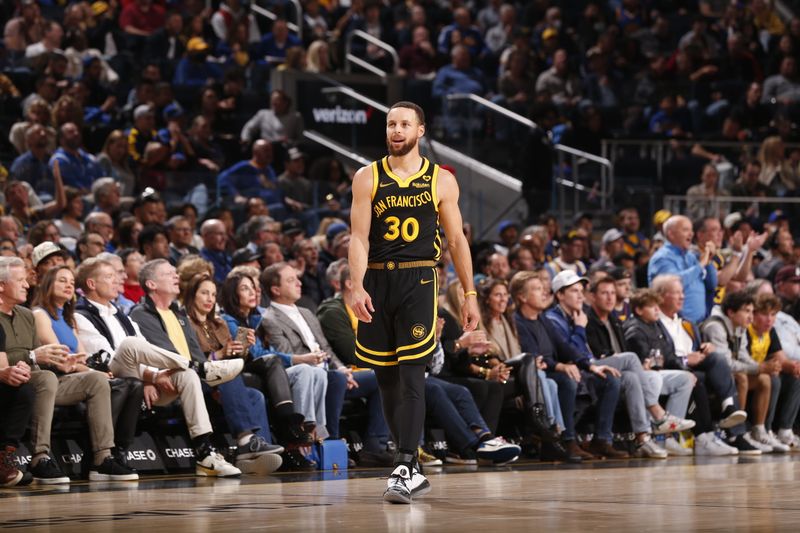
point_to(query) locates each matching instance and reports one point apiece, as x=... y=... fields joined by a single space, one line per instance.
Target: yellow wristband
x=470 y=293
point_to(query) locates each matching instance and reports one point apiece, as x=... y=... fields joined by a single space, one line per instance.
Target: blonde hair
x=312 y=56
x=768 y=153
x=518 y=282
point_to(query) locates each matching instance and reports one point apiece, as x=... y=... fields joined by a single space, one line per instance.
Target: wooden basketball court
x=680 y=494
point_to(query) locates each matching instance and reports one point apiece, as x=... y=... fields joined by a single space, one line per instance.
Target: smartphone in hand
x=241 y=336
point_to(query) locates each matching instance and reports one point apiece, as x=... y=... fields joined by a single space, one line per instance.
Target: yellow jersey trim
x=435 y=188
x=407 y=181
x=374 y=178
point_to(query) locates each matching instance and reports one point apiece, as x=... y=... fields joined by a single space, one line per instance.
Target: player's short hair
x=411 y=105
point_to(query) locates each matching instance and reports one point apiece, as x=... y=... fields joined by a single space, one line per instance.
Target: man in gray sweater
x=726 y=329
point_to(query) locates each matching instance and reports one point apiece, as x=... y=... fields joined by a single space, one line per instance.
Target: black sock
x=202 y=446
x=198 y=367
x=483 y=438
x=405 y=457
x=285 y=411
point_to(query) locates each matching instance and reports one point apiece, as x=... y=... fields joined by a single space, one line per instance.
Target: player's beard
x=403 y=150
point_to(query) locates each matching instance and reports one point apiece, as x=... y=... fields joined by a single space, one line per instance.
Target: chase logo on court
x=418 y=331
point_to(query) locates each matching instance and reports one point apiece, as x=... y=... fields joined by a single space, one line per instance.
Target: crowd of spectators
x=186 y=83
x=162 y=240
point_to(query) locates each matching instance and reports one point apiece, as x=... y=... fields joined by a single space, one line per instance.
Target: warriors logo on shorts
x=418 y=331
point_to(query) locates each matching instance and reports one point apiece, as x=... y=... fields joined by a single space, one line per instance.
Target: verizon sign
x=340 y=115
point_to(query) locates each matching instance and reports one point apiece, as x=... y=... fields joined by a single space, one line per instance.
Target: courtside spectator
x=296 y=330
x=67 y=382
x=168 y=327
x=689 y=352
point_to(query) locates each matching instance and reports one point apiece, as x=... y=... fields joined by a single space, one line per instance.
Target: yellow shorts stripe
x=372 y=352
x=417 y=356
x=374 y=362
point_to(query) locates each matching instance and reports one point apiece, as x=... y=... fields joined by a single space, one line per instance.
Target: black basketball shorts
x=403 y=327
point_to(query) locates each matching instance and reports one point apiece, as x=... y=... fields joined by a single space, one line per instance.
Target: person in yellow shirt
x=765 y=349
x=766 y=18
x=168 y=327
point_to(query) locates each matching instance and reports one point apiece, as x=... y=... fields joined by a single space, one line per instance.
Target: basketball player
x=398 y=203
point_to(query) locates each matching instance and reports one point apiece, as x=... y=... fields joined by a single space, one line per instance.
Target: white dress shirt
x=294 y=315
x=93 y=341
x=680 y=338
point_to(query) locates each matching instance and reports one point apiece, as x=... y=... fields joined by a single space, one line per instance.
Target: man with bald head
x=696 y=270
x=214 y=240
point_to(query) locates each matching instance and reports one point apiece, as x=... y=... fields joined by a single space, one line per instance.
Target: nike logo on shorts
x=425 y=281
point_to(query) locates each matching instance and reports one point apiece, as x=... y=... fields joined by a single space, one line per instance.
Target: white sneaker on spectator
x=753 y=441
x=709 y=444
x=215 y=465
x=732 y=417
x=219 y=372
x=732 y=450
x=262 y=465
x=498 y=451
x=788 y=437
x=650 y=448
x=777 y=445
x=674 y=447
x=672 y=424
x=465 y=459
x=767 y=438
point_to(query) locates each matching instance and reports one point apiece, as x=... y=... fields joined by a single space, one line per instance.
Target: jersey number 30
x=408 y=229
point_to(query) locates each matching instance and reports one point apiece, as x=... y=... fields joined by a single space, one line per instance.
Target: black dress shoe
x=555 y=451
x=374 y=459
x=294 y=461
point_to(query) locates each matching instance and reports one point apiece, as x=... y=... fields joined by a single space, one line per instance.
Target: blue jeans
x=244 y=409
x=377 y=432
x=715 y=373
x=607 y=393
x=551 y=404
x=451 y=407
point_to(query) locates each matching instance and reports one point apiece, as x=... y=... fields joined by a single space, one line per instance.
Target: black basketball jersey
x=405 y=214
